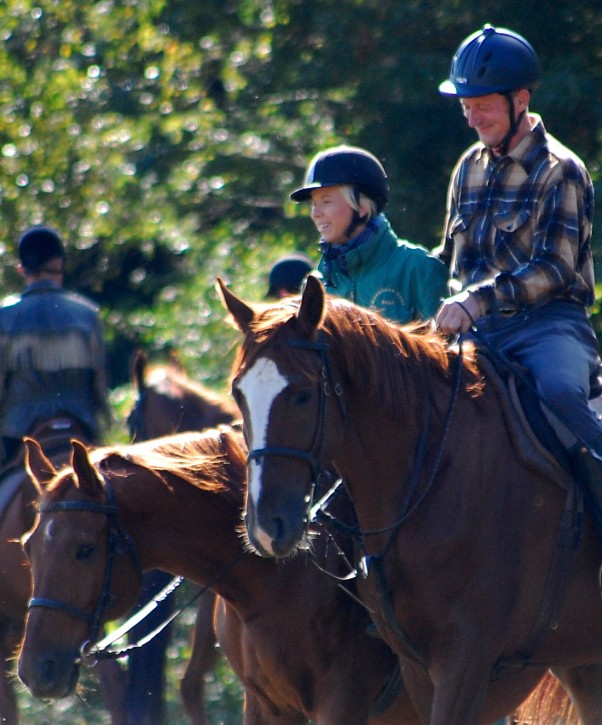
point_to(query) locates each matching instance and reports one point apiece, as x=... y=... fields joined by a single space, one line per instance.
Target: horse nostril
x=52 y=677
x=278 y=529
x=48 y=672
x=284 y=539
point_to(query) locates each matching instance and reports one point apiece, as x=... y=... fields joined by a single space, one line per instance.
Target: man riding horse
x=52 y=353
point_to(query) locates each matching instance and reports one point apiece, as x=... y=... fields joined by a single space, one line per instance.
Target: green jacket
x=400 y=280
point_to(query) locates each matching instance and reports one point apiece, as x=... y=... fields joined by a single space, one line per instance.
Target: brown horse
x=168 y=401
x=457 y=523
x=17 y=513
x=295 y=639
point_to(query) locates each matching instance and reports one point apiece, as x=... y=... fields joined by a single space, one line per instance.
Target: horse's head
x=168 y=401
x=80 y=577
x=159 y=408
x=292 y=411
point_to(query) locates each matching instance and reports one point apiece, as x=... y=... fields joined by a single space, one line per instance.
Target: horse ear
x=240 y=311
x=139 y=363
x=87 y=476
x=175 y=363
x=313 y=309
x=38 y=467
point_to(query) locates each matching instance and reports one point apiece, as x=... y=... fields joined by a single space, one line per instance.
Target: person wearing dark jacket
x=52 y=352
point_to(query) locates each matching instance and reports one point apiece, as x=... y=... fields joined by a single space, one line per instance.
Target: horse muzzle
x=51 y=675
x=276 y=532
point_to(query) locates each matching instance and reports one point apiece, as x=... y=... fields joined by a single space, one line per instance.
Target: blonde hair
x=349 y=195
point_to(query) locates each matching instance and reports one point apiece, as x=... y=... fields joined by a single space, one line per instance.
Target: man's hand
x=456 y=312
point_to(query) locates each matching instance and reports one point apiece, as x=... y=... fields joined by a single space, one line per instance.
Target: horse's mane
x=389 y=363
x=213 y=460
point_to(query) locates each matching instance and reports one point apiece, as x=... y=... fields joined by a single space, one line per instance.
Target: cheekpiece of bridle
x=321 y=474
x=118 y=542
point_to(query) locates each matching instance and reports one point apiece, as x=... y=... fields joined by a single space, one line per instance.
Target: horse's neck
x=377 y=461
x=187 y=531
x=383 y=447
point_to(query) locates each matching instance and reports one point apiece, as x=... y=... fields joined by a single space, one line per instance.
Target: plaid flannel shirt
x=518 y=228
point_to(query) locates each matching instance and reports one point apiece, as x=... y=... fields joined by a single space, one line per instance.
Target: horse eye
x=84 y=551
x=303 y=397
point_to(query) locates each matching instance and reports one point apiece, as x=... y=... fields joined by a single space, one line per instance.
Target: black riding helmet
x=37 y=246
x=346 y=165
x=288 y=273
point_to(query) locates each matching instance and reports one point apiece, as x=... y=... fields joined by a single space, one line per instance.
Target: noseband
x=115 y=536
x=321 y=474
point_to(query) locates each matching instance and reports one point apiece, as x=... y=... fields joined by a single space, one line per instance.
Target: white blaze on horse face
x=259 y=386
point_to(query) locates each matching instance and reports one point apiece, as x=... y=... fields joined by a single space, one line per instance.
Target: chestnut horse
x=17 y=513
x=294 y=638
x=458 y=525
x=168 y=401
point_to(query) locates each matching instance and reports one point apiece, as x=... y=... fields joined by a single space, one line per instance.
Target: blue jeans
x=557 y=345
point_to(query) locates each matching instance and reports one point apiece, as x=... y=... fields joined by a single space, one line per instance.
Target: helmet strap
x=356 y=222
x=515 y=122
x=356 y=219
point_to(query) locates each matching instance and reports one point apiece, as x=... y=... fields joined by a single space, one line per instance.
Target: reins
x=407 y=507
x=100 y=650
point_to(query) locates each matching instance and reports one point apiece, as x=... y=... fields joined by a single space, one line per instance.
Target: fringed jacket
x=52 y=360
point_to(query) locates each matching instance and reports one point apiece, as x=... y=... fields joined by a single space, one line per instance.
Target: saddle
x=540 y=450
x=533 y=438
x=54 y=434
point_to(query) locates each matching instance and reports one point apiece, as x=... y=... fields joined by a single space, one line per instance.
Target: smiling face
x=490 y=117
x=333 y=216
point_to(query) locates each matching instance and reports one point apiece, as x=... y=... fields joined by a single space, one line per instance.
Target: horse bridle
x=115 y=536
x=321 y=474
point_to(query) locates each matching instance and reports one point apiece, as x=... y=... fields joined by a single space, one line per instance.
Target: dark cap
x=288 y=273
x=492 y=60
x=346 y=165
x=38 y=245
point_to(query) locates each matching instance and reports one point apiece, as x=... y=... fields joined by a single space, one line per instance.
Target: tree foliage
x=162 y=138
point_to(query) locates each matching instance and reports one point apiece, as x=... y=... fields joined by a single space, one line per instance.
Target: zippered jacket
x=400 y=280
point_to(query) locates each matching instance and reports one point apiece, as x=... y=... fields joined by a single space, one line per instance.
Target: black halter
x=321 y=473
x=115 y=536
